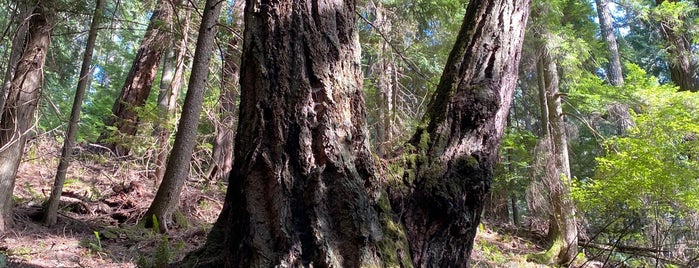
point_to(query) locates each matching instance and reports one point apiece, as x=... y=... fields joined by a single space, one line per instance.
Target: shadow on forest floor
x=102 y=201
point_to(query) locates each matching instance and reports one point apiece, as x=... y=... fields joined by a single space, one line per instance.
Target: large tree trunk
x=51 y=210
x=607 y=29
x=16 y=118
x=140 y=79
x=170 y=83
x=303 y=182
x=457 y=145
x=168 y=196
x=684 y=70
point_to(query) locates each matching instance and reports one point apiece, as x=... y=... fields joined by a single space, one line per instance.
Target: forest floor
x=104 y=197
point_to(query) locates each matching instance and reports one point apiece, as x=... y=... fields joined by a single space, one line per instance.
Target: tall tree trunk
x=384 y=70
x=51 y=210
x=225 y=131
x=140 y=79
x=684 y=70
x=223 y=140
x=170 y=83
x=606 y=24
x=16 y=118
x=168 y=195
x=18 y=42
x=562 y=226
x=303 y=182
x=458 y=142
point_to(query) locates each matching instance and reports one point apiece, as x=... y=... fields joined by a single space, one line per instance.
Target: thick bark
x=223 y=140
x=684 y=70
x=457 y=146
x=303 y=182
x=18 y=42
x=606 y=25
x=170 y=84
x=563 y=229
x=16 y=118
x=51 y=210
x=140 y=79
x=177 y=170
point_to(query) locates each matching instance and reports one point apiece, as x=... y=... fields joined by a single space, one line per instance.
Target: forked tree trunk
x=170 y=84
x=303 y=190
x=139 y=81
x=17 y=117
x=51 y=210
x=303 y=180
x=167 y=198
x=606 y=25
x=457 y=144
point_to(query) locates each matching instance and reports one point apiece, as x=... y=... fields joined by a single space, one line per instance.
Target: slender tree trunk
x=51 y=210
x=18 y=42
x=457 y=145
x=170 y=83
x=167 y=198
x=684 y=70
x=562 y=226
x=223 y=140
x=303 y=182
x=140 y=79
x=16 y=118
x=225 y=126
x=384 y=71
x=606 y=24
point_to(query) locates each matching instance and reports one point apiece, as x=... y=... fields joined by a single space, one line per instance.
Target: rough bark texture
x=51 y=210
x=563 y=228
x=457 y=145
x=168 y=196
x=170 y=84
x=684 y=70
x=606 y=25
x=301 y=188
x=20 y=33
x=223 y=140
x=140 y=79
x=222 y=153
x=17 y=117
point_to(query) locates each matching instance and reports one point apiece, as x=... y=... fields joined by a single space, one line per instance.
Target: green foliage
x=656 y=163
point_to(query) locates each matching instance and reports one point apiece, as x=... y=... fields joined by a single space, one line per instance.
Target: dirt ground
x=103 y=199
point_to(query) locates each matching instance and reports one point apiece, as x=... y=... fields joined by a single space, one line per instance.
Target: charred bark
x=22 y=99
x=457 y=145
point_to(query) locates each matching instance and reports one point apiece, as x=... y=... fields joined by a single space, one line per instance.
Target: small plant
x=98 y=246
